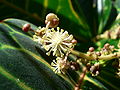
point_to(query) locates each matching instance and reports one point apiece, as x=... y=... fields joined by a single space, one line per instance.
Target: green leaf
x=21 y=66
x=104 y=9
x=65 y=10
x=92 y=83
x=116 y=21
x=109 y=78
x=117 y=5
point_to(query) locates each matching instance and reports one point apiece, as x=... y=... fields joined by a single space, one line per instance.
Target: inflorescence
x=59 y=43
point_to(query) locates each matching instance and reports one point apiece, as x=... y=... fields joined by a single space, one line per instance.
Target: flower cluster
x=106 y=50
x=60 y=65
x=95 y=69
x=59 y=42
x=56 y=42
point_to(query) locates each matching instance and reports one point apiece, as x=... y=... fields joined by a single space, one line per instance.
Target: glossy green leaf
x=78 y=17
x=76 y=22
x=21 y=66
x=104 y=9
x=117 y=5
x=108 y=76
x=106 y=80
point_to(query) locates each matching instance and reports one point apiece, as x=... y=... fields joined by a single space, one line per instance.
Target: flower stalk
x=102 y=57
x=81 y=78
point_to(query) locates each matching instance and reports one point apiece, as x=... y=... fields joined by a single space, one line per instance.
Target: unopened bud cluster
x=95 y=69
x=108 y=51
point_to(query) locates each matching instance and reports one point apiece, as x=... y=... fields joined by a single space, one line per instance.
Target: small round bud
x=106 y=45
x=92 y=68
x=112 y=47
x=98 y=53
x=74 y=66
x=26 y=27
x=97 y=72
x=77 y=87
x=91 y=49
x=53 y=19
x=88 y=66
x=74 y=41
x=115 y=54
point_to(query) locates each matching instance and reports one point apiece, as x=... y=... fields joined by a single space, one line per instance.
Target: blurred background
x=83 y=18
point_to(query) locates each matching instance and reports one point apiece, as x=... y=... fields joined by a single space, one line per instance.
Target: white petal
x=69 y=38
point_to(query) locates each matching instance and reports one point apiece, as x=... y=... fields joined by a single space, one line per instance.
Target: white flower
x=60 y=65
x=58 y=42
x=39 y=33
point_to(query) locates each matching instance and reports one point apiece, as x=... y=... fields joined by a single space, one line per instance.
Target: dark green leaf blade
x=21 y=64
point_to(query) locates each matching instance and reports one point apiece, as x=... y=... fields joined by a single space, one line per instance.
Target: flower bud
x=115 y=54
x=92 y=68
x=26 y=27
x=76 y=88
x=112 y=47
x=88 y=66
x=106 y=46
x=91 y=49
x=74 y=41
x=74 y=66
x=95 y=69
x=53 y=19
x=98 y=53
x=97 y=72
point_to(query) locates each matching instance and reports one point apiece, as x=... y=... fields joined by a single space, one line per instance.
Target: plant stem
x=93 y=57
x=82 y=75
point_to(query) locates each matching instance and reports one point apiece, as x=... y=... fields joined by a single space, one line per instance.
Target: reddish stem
x=78 y=85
